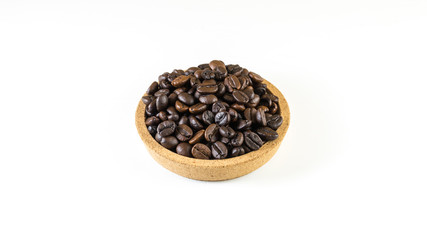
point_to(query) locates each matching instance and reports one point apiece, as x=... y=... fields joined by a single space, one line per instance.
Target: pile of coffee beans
x=212 y=111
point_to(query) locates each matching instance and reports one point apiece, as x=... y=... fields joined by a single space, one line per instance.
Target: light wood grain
x=214 y=170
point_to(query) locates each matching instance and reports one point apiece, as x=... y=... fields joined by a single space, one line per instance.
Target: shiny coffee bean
x=255 y=77
x=162 y=91
x=208 y=117
x=267 y=133
x=273 y=109
x=180 y=81
x=228 y=97
x=227 y=132
x=183 y=120
x=172 y=98
x=208 y=99
x=184 y=132
x=197 y=137
x=163 y=116
x=158 y=137
x=195 y=123
x=163 y=84
x=201 y=151
x=214 y=64
x=246 y=148
x=180 y=107
x=240 y=96
x=198 y=74
x=237 y=151
x=151 y=109
x=252 y=140
x=153 y=88
x=166 y=128
x=152 y=129
x=219 y=150
x=238 y=140
x=243 y=124
x=207 y=87
x=207 y=74
x=245 y=81
x=224 y=140
x=198 y=108
x=249 y=91
x=147 y=99
x=162 y=102
x=238 y=107
x=169 y=142
x=173 y=114
x=186 y=98
x=233 y=115
x=232 y=83
x=219 y=106
x=275 y=121
x=164 y=76
x=260 y=118
x=152 y=121
x=254 y=101
x=222 y=118
x=192 y=70
x=194 y=81
x=250 y=114
x=211 y=133
x=184 y=149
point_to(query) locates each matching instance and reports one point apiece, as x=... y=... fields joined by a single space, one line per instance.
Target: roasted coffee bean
x=166 y=128
x=243 y=124
x=225 y=140
x=267 y=133
x=191 y=70
x=201 y=151
x=194 y=81
x=147 y=99
x=207 y=87
x=266 y=100
x=186 y=98
x=198 y=108
x=250 y=114
x=152 y=130
x=151 y=110
x=232 y=83
x=254 y=101
x=194 y=123
x=255 y=77
x=238 y=140
x=192 y=90
x=219 y=150
x=184 y=149
x=249 y=91
x=173 y=114
x=211 y=133
x=181 y=107
x=263 y=108
x=183 y=120
x=214 y=64
x=252 y=140
x=199 y=117
x=184 y=132
x=180 y=81
x=165 y=84
x=245 y=81
x=164 y=76
x=221 y=89
x=152 y=121
x=275 y=121
x=203 y=66
x=208 y=117
x=260 y=89
x=237 y=151
x=180 y=90
x=208 y=99
x=238 y=107
x=162 y=102
x=162 y=91
x=233 y=115
x=172 y=98
x=229 y=98
x=169 y=142
x=246 y=148
x=222 y=118
x=198 y=74
x=197 y=137
x=240 y=96
x=227 y=132
x=218 y=106
x=274 y=108
x=178 y=71
x=208 y=74
x=153 y=88
x=158 y=137
x=260 y=117
x=162 y=115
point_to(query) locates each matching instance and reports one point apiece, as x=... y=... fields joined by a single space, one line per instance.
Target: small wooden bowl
x=213 y=170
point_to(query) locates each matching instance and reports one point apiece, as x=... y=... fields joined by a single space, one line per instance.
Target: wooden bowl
x=213 y=170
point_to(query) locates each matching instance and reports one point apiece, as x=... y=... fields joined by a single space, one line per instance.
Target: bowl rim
x=151 y=143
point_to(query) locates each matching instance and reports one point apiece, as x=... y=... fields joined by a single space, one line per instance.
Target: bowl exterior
x=213 y=170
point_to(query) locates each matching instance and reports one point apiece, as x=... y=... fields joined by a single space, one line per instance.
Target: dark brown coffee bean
x=243 y=124
x=165 y=84
x=245 y=81
x=163 y=116
x=152 y=121
x=203 y=66
x=194 y=81
x=252 y=140
x=172 y=98
x=208 y=117
x=211 y=133
x=153 y=88
x=192 y=90
x=237 y=141
x=218 y=106
x=162 y=102
x=198 y=74
x=260 y=117
x=169 y=142
x=263 y=108
x=151 y=109
x=214 y=64
x=207 y=87
x=266 y=100
x=207 y=74
x=246 y=148
x=195 y=123
x=249 y=91
x=250 y=114
x=229 y=98
x=180 y=81
x=237 y=151
x=158 y=137
x=173 y=114
x=255 y=77
x=222 y=118
x=275 y=121
x=201 y=151
x=147 y=99
x=152 y=130
x=208 y=99
x=238 y=107
x=197 y=137
x=198 y=108
x=219 y=150
x=184 y=133
x=192 y=70
x=240 y=96
x=166 y=128
x=225 y=140
x=227 y=132
x=274 y=108
x=233 y=115
x=180 y=90
x=267 y=133
x=162 y=91
x=183 y=120
x=186 y=98
x=232 y=83
x=164 y=76
x=184 y=149
x=221 y=90
x=181 y=107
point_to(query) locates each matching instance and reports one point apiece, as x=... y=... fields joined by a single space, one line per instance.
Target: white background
x=352 y=166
